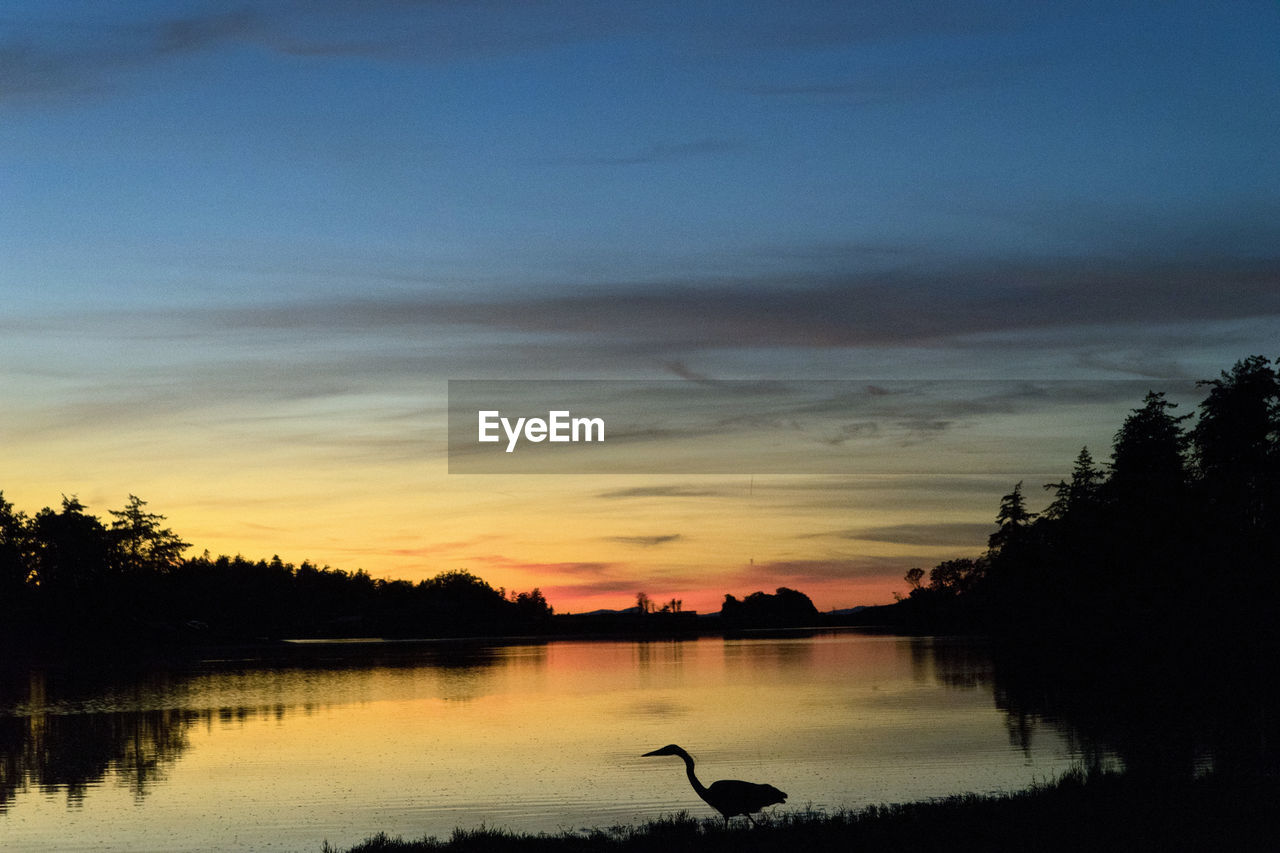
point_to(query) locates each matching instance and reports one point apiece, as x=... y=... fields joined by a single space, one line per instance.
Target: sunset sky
x=244 y=247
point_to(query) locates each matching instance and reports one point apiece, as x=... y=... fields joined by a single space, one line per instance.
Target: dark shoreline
x=141 y=653
x=1079 y=812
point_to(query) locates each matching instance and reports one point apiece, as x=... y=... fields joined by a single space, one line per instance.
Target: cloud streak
x=48 y=56
x=656 y=153
x=941 y=534
x=68 y=58
x=660 y=492
x=797 y=573
x=836 y=311
x=645 y=541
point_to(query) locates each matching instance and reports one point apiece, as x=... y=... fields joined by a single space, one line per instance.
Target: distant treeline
x=1177 y=534
x=1178 y=531
x=786 y=608
x=64 y=574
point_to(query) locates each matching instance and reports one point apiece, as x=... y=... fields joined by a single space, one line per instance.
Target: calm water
x=339 y=744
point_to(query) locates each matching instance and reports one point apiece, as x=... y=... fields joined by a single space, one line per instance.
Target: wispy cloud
x=904 y=81
x=438 y=548
x=48 y=55
x=957 y=534
x=645 y=541
x=655 y=153
x=806 y=311
x=587 y=567
x=45 y=58
x=661 y=492
x=599 y=587
x=796 y=573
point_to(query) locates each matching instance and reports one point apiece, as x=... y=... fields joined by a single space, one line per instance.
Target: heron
x=730 y=797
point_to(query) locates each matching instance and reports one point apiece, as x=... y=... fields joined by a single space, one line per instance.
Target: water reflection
x=789 y=654
x=960 y=662
x=1155 y=712
x=1164 y=716
x=416 y=739
x=657 y=653
x=68 y=729
x=52 y=750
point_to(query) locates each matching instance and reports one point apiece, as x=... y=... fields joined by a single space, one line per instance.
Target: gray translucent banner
x=780 y=427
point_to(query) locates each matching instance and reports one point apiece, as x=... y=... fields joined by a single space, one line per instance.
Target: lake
x=338 y=742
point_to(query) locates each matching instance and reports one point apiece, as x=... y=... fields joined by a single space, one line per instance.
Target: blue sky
x=233 y=235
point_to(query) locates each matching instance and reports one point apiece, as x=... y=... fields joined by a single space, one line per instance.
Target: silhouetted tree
x=959 y=576
x=1149 y=556
x=953 y=599
x=1013 y=517
x=531 y=606
x=786 y=608
x=72 y=554
x=65 y=576
x=1236 y=444
x=1148 y=466
x=1236 y=454
x=15 y=559
x=1081 y=494
x=1183 y=526
x=140 y=543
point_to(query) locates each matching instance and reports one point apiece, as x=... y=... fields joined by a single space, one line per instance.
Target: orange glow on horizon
x=588 y=542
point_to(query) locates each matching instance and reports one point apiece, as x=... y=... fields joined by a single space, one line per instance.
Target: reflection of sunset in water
x=531 y=737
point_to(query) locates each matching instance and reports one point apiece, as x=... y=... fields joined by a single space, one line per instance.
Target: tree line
x=1178 y=530
x=66 y=574
x=1178 y=527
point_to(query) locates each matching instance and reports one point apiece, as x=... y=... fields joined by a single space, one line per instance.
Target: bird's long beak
x=647 y=754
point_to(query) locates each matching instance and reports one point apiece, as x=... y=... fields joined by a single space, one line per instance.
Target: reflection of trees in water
x=965 y=663
x=1165 y=716
x=968 y=664
x=461 y=673
x=72 y=752
x=71 y=729
x=1162 y=713
x=667 y=651
x=960 y=662
x=54 y=749
x=782 y=651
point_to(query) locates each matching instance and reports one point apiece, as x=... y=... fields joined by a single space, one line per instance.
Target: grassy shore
x=1086 y=813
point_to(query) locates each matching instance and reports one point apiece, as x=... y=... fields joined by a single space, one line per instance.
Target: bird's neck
x=693 y=778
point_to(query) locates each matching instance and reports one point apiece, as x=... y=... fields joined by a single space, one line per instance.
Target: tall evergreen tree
x=1013 y=517
x=1148 y=464
x=140 y=543
x=1236 y=445
x=72 y=556
x=1080 y=495
x=15 y=547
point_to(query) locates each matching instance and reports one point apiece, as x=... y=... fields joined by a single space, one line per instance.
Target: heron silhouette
x=730 y=797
